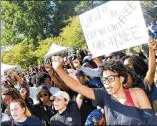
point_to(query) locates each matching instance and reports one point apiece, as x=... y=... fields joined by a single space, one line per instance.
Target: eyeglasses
x=44 y=95
x=110 y=78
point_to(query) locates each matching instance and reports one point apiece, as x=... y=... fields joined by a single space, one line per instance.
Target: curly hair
x=116 y=66
x=40 y=78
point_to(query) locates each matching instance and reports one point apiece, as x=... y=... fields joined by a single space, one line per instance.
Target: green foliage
x=34 y=20
x=149 y=8
x=84 y=6
x=21 y=55
x=26 y=20
x=42 y=49
x=72 y=35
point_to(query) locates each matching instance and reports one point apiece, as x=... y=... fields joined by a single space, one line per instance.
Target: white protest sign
x=114 y=26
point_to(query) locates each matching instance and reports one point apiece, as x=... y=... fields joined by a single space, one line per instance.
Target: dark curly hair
x=40 y=78
x=116 y=66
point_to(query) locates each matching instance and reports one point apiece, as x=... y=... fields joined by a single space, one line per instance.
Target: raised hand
x=48 y=67
x=152 y=44
x=57 y=61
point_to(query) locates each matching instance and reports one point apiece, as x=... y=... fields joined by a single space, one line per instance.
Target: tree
x=21 y=55
x=149 y=9
x=26 y=20
x=34 y=20
x=84 y=6
x=72 y=35
x=63 y=10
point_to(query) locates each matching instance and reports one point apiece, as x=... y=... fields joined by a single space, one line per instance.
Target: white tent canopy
x=54 y=49
x=6 y=67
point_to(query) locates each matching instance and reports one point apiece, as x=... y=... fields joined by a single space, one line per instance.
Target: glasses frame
x=105 y=79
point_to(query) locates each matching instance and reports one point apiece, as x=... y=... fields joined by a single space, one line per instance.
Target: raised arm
x=79 y=100
x=56 y=79
x=151 y=64
x=71 y=63
x=69 y=81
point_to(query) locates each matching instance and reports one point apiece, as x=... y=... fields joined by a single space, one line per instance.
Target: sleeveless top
x=129 y=101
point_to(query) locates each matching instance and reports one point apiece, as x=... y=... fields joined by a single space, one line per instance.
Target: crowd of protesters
x=78 y=90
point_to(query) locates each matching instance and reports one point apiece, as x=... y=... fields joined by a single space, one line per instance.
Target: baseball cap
x=94 y=117
x=54 y=90
x=42 y=88
x=62 y=95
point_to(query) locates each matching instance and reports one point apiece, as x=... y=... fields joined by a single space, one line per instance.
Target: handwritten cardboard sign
x=114 y=26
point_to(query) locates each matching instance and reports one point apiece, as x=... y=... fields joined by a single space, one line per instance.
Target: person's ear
x=122 y=79
x=66 y=101
x=23 y=110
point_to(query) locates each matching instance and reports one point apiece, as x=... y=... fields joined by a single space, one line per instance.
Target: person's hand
x=48 y=67
x=57 y=61
x=152 y=44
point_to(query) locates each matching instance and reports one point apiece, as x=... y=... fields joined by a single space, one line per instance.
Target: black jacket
x=43 y=112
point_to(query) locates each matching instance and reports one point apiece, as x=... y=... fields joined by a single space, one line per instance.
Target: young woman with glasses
x=122 y=107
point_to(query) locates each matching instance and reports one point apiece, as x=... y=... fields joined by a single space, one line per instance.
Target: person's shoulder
x=6 y=123
x=54 y=117
x=136 y=91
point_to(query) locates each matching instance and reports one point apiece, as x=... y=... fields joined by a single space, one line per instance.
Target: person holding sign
x=121 y=106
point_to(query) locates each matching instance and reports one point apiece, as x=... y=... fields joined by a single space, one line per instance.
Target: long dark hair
x=140 y=66
x=135 y=79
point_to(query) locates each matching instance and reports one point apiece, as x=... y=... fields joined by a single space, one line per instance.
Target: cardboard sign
x=114 y=26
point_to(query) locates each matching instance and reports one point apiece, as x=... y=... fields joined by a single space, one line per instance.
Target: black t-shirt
x=70 y=117
x=118 y=114
x=86 y=107
x=148 y=90
x=44 y=113
x=145 y=86
x=30 y=121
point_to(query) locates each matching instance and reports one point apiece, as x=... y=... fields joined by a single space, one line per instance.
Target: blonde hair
x=27 y=113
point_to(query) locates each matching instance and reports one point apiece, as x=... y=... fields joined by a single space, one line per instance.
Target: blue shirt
x=94 y=82
x=30 y=121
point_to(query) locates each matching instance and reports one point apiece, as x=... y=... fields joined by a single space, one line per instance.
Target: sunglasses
x=44 y=95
